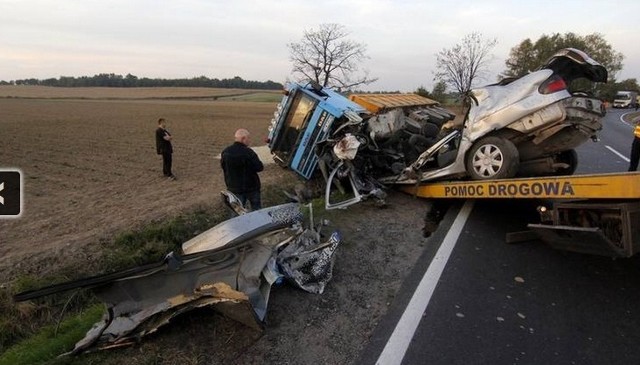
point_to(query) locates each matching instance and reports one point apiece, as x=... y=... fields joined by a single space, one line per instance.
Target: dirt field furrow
x=91 y=170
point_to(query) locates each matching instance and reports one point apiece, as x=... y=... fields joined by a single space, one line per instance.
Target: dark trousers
x=166 y=163
x=253 y=197
x=635 y=154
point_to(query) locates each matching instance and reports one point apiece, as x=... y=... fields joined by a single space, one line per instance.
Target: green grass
x=21 y=320
x=47 y=344
x=153 y=242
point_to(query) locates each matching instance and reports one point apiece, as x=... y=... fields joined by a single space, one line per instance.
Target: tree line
x=326 y=56
x=114 y=80
x=459 y=66
x=329 y=58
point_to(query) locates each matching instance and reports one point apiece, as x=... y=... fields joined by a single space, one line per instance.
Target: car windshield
x=623 y=97
x=302 y=107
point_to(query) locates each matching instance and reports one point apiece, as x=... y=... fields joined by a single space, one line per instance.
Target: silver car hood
x=500 y=105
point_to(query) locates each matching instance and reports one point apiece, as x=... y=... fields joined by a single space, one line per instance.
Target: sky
x=223 y=39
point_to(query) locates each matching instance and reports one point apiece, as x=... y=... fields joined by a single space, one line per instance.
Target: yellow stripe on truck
x=601 y=186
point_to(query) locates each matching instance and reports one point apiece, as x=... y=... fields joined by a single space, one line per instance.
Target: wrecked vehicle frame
x=526 y=126
x=230 y=268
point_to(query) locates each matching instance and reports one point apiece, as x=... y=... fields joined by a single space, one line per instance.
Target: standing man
x=164 y=148
x=241 y=166
x=635 y=148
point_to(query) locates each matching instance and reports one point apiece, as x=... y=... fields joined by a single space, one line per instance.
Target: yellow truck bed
x=377 y=102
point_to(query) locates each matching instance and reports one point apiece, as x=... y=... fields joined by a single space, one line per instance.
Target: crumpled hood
x=499 y=105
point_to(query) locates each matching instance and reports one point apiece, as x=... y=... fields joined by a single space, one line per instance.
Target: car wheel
x=569 y=157
x=492 y=158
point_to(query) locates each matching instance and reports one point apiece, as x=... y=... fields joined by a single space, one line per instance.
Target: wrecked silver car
x=525 y=126
x=230 y=268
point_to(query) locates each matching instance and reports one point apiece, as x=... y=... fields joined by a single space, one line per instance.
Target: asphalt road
x=488 y=302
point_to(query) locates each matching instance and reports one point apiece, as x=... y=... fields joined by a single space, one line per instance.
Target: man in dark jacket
x=241 y=166
x=164 y=148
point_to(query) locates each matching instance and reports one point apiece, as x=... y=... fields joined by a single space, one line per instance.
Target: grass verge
x=631 y=117
x=49 y=343
x=23 y=340
x=21 y=321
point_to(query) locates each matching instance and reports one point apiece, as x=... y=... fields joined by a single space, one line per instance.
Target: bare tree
x=327 y=57
x=465 y=62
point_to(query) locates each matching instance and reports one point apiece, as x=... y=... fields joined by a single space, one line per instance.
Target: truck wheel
x=429 y=129
x=492 y=158
x=420 y=143
x=569 y=157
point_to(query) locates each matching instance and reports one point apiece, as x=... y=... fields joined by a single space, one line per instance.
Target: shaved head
x=242 y=136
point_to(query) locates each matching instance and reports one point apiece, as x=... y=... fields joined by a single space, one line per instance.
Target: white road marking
x=617 y=153
x=622 y=119
x=397 y=345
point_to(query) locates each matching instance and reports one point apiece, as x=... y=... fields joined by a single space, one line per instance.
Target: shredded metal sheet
x=229 y=268
x=309 y=263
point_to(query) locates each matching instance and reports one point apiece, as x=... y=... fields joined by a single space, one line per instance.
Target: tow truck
x=527 y=126
x=593 y=214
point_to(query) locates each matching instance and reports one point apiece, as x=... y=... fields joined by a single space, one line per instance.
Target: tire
x=569 y=157
x=430 y=130
x=420 y=143
x=492 y=158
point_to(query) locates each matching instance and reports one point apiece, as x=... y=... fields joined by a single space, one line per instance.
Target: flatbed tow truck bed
x=595 y=214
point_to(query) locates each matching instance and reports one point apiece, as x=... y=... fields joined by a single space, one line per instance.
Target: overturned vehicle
x=527 y=126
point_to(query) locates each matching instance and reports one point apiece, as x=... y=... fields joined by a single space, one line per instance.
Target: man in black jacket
x=241 y=166
x=164 y=148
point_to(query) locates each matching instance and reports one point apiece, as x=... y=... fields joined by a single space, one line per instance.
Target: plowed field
x=90 y=167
